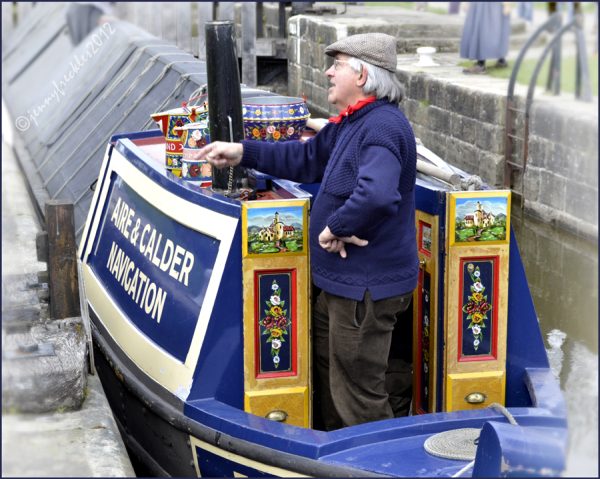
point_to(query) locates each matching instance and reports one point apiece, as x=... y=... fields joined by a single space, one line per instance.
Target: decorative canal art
x=274 y=119
x=275 y=321
x=425 y=316
x=275 y=228
x=195 y=136
x=479 y=291
x=425 y=238
x=276 y=309
x=423 y=393
x=477 y=267
x=480 y=217
x=170 y=123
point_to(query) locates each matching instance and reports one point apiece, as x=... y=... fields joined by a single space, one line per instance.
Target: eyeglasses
x=337 y=64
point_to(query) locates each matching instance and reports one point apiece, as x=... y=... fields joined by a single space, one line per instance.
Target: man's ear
x=362 y=78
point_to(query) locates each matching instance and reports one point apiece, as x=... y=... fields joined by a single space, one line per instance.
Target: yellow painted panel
x=454 y=314
x=250 y=266
x=485 y=373
x=284 y=390
x=490 y=385
x=293 y=401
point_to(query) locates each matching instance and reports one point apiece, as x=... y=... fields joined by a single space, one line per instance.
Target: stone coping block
x=45 y=367
x=82 y=443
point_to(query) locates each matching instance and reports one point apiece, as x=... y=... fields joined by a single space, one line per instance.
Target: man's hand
x=334 y=244
x=221 y=154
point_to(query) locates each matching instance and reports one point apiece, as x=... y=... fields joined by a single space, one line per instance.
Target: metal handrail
x=582 y=87
x=582 y=70
x=553 y=22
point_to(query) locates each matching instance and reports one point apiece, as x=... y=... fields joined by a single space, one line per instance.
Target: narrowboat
x=179 y=280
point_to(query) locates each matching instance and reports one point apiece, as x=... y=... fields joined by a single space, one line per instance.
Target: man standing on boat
x=362 y=225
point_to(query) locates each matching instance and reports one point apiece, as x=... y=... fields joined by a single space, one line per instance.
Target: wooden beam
x=282 y=29
x=41 y=246
x=249 y=75
x=260 y=20
x=62 y=260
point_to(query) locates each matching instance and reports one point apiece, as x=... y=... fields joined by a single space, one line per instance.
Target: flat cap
x=378 y=49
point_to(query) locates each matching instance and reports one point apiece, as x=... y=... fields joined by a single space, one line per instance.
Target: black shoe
x=502 y=63
x=475 y=70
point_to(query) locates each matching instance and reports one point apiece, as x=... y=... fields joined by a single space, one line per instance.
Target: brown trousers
x=351 y=341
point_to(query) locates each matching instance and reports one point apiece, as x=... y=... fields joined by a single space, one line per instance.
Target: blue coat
x=367 y=169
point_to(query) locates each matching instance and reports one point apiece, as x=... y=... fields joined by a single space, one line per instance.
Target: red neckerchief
x=351 y=109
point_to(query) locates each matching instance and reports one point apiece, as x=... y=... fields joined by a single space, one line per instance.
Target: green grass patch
x=567 y=72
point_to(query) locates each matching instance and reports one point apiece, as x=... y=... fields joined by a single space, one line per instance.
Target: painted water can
x=193 y=137
x=274 y=118
x=168 y=121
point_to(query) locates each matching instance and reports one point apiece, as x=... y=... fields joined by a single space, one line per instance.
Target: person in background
x=485 y=35
x=363 y=251
x=83 y=17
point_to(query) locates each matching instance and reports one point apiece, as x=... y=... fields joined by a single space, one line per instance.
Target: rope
x=461 y=444
x=500 y=408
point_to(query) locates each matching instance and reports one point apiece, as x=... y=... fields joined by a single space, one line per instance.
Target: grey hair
x=380 y=82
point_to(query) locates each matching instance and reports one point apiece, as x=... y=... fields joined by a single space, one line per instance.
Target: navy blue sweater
x=367 y=166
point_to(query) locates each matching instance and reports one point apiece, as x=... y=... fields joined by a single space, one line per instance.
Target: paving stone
x=33 y=383
x=83 y=443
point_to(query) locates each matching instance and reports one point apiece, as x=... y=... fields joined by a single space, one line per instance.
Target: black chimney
x=224 y=100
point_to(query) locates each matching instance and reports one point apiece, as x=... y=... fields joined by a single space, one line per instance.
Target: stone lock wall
x=561 y=178
x=464 y=123
x=466 y=127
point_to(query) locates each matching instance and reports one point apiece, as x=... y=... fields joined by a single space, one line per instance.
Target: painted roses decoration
x=275 y=323
x=477 y=307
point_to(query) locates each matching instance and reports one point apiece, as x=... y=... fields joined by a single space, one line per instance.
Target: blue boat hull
x=179 y=399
